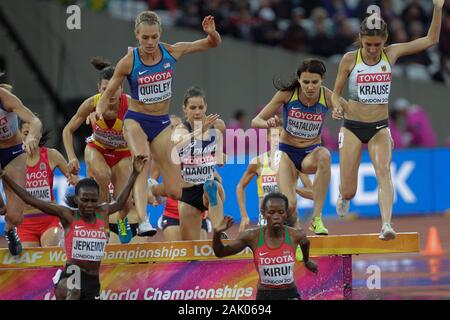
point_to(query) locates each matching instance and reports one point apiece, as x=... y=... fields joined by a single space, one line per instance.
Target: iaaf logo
x=305 y=115
x=25 y=257
x=374 y=77
x=156 y=77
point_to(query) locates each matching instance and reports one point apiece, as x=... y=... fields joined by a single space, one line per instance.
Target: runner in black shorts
x=197 y=139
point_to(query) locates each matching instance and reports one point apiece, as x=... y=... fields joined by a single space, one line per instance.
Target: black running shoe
x=14 y=245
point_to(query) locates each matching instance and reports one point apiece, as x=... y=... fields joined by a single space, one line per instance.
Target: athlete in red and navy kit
x=13 y=158
x=84 y=224
x=273 y=249
x=150 y=70
x=305 y=103
x=39 y=229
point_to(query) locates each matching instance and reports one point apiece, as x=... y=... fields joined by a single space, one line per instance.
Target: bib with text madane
x=39 y=182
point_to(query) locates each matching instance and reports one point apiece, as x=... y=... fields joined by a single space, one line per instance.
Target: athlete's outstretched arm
x=401 y=49
x=213 y=40
x=235 y=246
x=12 y=103
x=138 y=166
x=304 y=243
x=264 y=119
x=123 y=68
x=77 y=120
x=62 y=212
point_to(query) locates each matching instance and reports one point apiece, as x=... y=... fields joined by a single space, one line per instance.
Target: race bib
x=155 y=87
x=198 y=174
x=304 y=124
x=269 y=183
x=277 y=275
x=110 y=139
x=374 y=88
x=91 y=249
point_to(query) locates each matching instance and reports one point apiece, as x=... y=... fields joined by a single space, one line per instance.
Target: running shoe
x=342 y=206
x=125 y=233
x=387 y=233
x=145 y=229
x=299 y=254
x=14 y=244
x=317 y=226
x=152 y=182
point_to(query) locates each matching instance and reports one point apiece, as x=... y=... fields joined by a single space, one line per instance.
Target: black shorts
x=365 y=130
x=90 y=284
x=114 y=228
x=167 y=222
x=277 y=294
x=194 y=196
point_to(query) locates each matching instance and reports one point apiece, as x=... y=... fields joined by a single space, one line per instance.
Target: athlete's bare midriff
x=298 y=142
x=154 y=109
x=358 y=111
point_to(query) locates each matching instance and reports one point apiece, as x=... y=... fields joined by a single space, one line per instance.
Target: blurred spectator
x=387 y=10
x=414 y=12
x=219 y=11
x=396 y=133
x=345 y=38
x=419 y=131
x=320 y=27
x=444 y=39
x=191 y=17
x=266 y=31
x=296 y=37
x=169 y=5
x=337 y=9
x=242 y=23
x=239 y=120
x=443 y=73
x=309 y=5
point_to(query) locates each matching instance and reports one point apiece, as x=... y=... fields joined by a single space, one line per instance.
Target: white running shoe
x=342 y=206
x=387 y=233
x=145 y=229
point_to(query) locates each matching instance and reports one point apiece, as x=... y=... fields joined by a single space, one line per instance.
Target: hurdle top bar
x=202 y=250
